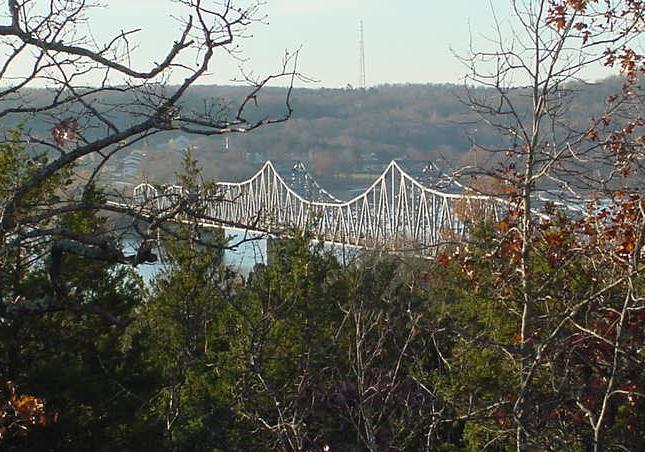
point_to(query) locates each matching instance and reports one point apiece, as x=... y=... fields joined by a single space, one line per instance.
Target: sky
x=406 y=41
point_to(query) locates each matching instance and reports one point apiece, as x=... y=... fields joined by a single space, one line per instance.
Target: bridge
x=400 y=211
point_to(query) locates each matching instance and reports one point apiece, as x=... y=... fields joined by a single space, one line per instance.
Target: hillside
x=343 y=135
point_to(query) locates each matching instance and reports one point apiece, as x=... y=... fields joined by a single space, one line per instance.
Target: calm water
x=248 y=250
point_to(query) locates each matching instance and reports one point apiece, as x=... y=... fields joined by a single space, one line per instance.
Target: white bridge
x=398 y=212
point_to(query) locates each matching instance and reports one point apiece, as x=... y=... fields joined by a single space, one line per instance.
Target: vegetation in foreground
x=526 y=337
x=385 y=354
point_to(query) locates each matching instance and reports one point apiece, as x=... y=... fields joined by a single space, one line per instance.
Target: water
x=247 y=250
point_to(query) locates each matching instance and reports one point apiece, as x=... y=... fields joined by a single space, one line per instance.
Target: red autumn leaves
x=608 y=23
x=65 y=131
x=19 y=413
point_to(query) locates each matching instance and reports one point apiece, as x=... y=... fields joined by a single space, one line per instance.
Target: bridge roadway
x=397 y=212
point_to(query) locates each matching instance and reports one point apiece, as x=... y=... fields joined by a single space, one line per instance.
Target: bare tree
x=552 y=159
x=98 y=102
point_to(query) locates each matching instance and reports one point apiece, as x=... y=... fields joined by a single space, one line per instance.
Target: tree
x=19 y=413
x=183 y=334
x=99 y=103
x=65 y=352
x=61 y=237
x=336 y=357
x=286 y=350
x=549 y=163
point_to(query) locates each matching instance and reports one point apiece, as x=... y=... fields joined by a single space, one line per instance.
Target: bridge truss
x=397 y=212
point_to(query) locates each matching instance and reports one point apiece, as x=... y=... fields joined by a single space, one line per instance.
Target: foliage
x=182 y=333
x=528 y=337
x=19 y=413
x=585 y=340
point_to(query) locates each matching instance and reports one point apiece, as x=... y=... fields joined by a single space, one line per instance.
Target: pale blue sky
x=406 y=41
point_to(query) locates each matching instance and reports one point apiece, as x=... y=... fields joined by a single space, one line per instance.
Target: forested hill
x=339 y=131
x=348 y=131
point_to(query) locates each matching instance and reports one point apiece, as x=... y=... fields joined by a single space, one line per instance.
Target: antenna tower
x=361 y=76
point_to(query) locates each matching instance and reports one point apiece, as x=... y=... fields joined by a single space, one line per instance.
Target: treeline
x=347 y=130
x=390 y=121
x=332 y=130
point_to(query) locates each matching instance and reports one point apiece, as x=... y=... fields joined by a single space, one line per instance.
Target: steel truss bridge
x=400 y=211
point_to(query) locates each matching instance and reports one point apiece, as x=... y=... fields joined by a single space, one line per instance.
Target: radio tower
x=361 y=75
